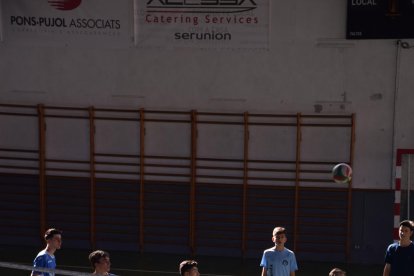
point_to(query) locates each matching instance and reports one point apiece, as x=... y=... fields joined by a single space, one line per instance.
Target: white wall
x=309 y=68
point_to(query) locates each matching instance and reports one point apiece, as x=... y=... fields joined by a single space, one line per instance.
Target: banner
x=106 y=23
x=202 y=23
x=380 y=19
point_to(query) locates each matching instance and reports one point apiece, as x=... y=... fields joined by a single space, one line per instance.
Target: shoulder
x=392 y=249
x=288 y=251
x=269 y=250
x=393 y=246
x=41 y=253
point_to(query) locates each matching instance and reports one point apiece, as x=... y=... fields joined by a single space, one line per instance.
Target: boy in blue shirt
x=46 y=257
x=278 y=260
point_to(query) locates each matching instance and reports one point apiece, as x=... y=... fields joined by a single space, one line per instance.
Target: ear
x=273 y=239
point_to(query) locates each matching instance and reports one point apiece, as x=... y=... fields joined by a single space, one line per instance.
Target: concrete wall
x=321 y=235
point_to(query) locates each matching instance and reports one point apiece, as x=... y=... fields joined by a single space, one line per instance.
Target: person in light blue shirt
x=46 y=257
x=278 y=260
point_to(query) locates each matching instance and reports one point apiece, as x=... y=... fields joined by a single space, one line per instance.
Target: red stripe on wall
x=397 y=209
x=398 y=184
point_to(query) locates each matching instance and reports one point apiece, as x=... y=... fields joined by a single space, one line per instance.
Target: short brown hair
x=186 y=266
x=407 y=223
x=279 y=230
x=96 y=256
x=337 y=272
x=51 y=232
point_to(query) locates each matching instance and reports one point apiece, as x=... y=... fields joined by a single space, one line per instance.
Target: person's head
x=100 y=261
x=53 y=238
x=406 y=229
x=337 y=272
x=189 y=268
x=279 y=236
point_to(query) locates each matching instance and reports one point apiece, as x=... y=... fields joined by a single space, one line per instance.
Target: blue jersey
x=279 y=263
x=44 y=260
x=401 y=259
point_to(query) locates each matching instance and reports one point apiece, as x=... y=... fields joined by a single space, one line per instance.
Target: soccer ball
x=342 y=173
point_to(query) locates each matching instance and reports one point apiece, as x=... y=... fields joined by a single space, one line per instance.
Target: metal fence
x=176 y=181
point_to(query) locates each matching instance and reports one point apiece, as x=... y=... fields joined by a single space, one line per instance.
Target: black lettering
x=170 y=2
x=203 y=36
x=117 y=24
x=251 y=1
x=23 y=20
x=72 y=23
x=204 y=2
x=150 y=1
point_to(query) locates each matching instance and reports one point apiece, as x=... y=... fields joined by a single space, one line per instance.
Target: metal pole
x=193 y=182
x=297 y=179
x=92 y=176
x=245 y=181
x=42 y=168
x=409 y=186
x=141 y=177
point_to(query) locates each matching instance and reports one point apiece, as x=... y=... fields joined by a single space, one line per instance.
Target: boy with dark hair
x=100 y=262
x=279 y=260
x=46 y=257
x=399 y=257
x=189 y=268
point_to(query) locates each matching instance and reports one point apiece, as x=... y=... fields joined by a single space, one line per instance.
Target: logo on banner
x=65 y=5
x=200 y=6
x=204 y=23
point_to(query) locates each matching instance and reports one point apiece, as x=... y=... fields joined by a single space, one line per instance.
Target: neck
x=100 y=273
x=405 y=242
x=50 y=250
x=279 y=247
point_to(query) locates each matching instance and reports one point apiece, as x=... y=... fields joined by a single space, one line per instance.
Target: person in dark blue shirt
x=46 y=257
x=399 y=257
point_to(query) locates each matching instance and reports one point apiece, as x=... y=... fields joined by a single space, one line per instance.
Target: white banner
x=68 y=22
x=202 y=23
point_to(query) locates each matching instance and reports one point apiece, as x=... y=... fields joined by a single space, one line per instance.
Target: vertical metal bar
x=92 y=176
x=349 y=210
x=141 y=177
x=297 y=179
x=409 y=186
x=42 y=168
x=192 y=215
x=245 y=181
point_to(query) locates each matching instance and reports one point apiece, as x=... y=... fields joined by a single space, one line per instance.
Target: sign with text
x=380 y=19
x=68 y=22
x=202 y=23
